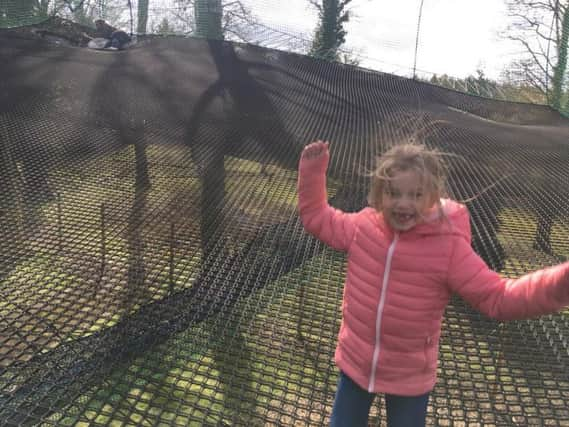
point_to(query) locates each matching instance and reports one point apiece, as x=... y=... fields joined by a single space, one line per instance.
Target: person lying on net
x=114 y=38
x=408 y=252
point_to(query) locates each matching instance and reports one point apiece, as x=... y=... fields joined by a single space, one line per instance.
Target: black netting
x=153 y=267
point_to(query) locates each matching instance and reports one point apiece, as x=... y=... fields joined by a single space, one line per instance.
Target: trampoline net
x=153 y=268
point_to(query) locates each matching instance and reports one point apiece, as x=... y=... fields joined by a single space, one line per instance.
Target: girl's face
x=404 y=203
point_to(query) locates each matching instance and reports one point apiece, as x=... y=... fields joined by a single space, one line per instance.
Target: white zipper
x=380 y=311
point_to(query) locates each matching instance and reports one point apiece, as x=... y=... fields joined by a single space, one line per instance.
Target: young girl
x=407 y=254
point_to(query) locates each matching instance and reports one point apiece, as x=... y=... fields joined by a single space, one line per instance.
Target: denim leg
x=406 y=411
x=351 y=405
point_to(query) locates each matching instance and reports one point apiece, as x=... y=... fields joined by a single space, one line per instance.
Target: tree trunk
x=329 y=25
x=560 y=68
x=208 y=15
x=43 y=7
x=142 y=16
x=325 y=43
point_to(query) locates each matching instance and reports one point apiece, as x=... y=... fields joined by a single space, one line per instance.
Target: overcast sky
x=456 y=38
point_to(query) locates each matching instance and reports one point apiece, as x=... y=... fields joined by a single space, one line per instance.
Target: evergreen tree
x=330 y=33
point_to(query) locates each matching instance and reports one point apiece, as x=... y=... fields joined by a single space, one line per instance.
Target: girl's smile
x=404 y=204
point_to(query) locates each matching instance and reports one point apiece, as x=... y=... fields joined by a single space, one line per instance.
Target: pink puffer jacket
x=398 y=285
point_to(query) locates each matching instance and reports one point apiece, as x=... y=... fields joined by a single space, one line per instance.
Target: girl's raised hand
x=315 y=149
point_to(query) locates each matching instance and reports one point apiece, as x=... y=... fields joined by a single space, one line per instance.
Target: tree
x=142 y=16
x=22 y=12
x=208 y=19
x=164 y=27
x=542 y=28
x=507 y=89
x=349 y=58
x=330 y=33
x=83 y=12
x=518 y=90
x=214 y=19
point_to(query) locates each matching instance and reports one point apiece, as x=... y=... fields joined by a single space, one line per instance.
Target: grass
x=243 y=363
x=517 y=233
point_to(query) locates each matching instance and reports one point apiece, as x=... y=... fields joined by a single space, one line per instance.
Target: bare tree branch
x=536 y=80
x=538 y=27
x=237 y=20
x=316 y=4
x=532 y=53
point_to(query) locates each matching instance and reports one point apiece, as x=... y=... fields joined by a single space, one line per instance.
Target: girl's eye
x=418 y=195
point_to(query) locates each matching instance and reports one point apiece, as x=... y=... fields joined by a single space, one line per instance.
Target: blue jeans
x=352 y=405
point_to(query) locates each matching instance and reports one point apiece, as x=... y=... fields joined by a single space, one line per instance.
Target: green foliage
x=561 y=65
x=330 y=33
x=480 y=85
x=22 y=12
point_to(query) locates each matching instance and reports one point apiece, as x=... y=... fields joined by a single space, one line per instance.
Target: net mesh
x=154 y=269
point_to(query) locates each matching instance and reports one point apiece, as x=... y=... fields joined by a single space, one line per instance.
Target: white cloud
x=456 y=37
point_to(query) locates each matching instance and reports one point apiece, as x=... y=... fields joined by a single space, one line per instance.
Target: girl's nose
x=406 y=201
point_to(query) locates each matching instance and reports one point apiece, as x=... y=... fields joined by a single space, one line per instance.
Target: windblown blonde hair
x=427 y=163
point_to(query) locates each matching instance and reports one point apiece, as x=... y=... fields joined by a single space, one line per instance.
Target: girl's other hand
x=315 y=149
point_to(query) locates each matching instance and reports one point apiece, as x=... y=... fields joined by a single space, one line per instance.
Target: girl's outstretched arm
x=541 y=292
x=332 y=226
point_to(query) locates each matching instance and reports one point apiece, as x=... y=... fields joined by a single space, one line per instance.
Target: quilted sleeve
x=330 y=225
x=541 y=292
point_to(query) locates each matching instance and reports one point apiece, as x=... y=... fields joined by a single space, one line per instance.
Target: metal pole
x=417 y=39
x=131 y=18
x=553 y=19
